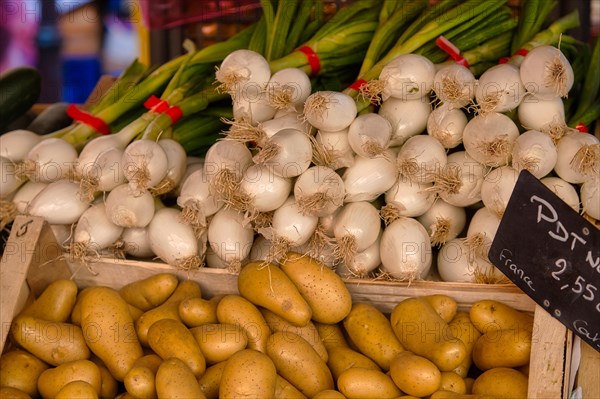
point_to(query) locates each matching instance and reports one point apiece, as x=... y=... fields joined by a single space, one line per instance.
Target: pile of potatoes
x=292 y=332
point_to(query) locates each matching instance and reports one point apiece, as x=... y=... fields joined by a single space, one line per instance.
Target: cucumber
x=19 y=89
x=51 y=119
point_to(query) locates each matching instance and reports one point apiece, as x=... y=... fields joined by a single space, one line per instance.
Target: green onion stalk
x=588 y=101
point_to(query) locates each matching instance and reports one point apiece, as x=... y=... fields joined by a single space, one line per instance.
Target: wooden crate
x=32 y=259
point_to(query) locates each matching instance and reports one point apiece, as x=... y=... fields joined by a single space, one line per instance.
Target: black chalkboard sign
x=553 y=254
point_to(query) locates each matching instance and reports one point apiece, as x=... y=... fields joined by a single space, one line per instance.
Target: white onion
x=319 y=191
x=369 y=135
x=459 y=182
x=290 y=225
x=16 y=144
x=420 y=158
x=408 y=118
x=362 y=263
x=443 y=221
x=578 y=157
x=62 y=232
x=136 y=242
x=481 y=231
x=497 y=187
x=321 y=250
x=326 y=223
x=127 y=208
x=291 y=120
x=330 y=110
x=10 y=179
x=50 y=160
x=454 y=85
x=288 y=153
x=499 y=89
x=368 y=178
x=58 y=203
x=447 y=125
x=230 y=238
x=409 y=198
x=490 y=138
x=224 y=166
x=405 y=250
x=94 y=231
x=535 y=152
x=546 y=72
x=212 y=260
x=261 y=247
x=563 y=190
x=332 y=149
x=172 y=241
x=261 y=190
x=176 y=166
x=144 y=165
x=190 y=168
x=26 y=193
x=455 y=264
x=197 y=200
x=243 y=70
x=106 y=173
x=288 y=88
x=356 y=227
x=590 y=197
x=253 y=106
x=407 y=77
x=544 y=115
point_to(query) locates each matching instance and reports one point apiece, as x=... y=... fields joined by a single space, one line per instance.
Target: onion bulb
x=590 y=197
x=481 y=231
x=25 y=194
x=454 y=85
x=144 y=165
x=545 y=115
x=407 y=198
x=332 y=149
x=58 y=203
x=455 y=264
x=224 y=166
x=546 y=72
x=197 y=201
x=136 y=242
x=330 y=110
x=497 y=187
x=127 y=208
x=319 y=191
x=535 y=152
x=356 y=227
x=176 y=166
x=407 y=77
x=362 y=263
x=11 y=180
x=242 y=70
x=16 y=144
x=490 y=138
x=563 y=190
x=369 y=135
x=260 y=190
x=459 y=182
x=420 y=158
x=230 y=238
x=447 y=125
x=443 y=221
x=288 y=88
x=49 y=160
x=407 y=117
x=368 y=178
x=578 y=157
x=93 y=233
x=499 y=89
x=288 y=153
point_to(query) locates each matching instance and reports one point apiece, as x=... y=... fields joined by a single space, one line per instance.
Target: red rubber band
x=450 y=49
x=503 y=60
x=155 y=104
x=313 y=59
x=357 y=85
x=522 y=52
x=84 y=117
x=582 y=127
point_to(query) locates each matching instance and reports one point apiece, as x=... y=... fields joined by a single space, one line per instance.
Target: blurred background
x=74 y=42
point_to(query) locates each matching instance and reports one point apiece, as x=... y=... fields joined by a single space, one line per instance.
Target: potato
x=308 y=331
x=152 y=361
x=502 y=348
x=322 y=288
x=442 y=394
x=219 y=341
x=453 y=382
x=342 y=358
x=331 y=335
x=13 y=393
x=109 y=330
x=265 y=285
x=21 y=370
x=248 y=374
x=175 y=380
x=150 y=292
x=284 y=389
x=55 y=303
x=297 y=362
x=197 y=311
x=329 y=394
x=108 y=383
x=134 y=312
x=415 y=375
x=469 y=384
x=371 y=332
x=171 y=338
x=167 y=310
x=53 y=380
x=463 y=329
x=501 y=382
x=140 y=382
x=422 y=331
x=52 y=342
x=211 y=380
x=237 y=310
x=444 y=305
x=77 y=390
x=493 y=315
x=362 y=383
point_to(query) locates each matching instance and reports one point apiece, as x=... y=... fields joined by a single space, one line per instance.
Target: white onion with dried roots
x=408 y=118
x=136 y=242
x=443 y=221
x=58 y=203
x=322 y=251
x=455 y=264
x=16 y=144
x=224 y=165
x=25 y=194
x=105 y=173
x=289 y=228
x=330 y=110
x=546 y=72
x=242 y=69
x=535 y=152
x=197 y=200
x=326 y=223
x=368 y=178
x=127 y=208
x=291 y=120
x=356 y=227
x=288 y=88
x=369 y=135
x=363 y=263
x=261 y=247
x=497 y=188
x=50 y=160
x=578 y=157
x=563 y=190
x=190 y=168
x=407 y=77
x=144 y=165
x=481 y=231
x=176 y=166
x=420 y=158
x=172 y=241
x=459 y=182
x=407 y=198
x=490 y=138
x=319 y=191
x=230 y=238
x=405 y=250
x=11 y=181
x=252 y=106
x=94 y=232
x=447 y=125
x=261 y=190
x=212 y=260
x=288 y=153
x=332 y=149
x=454 y=85
x=546 y=115
x=590 y=197
x=499 y=89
